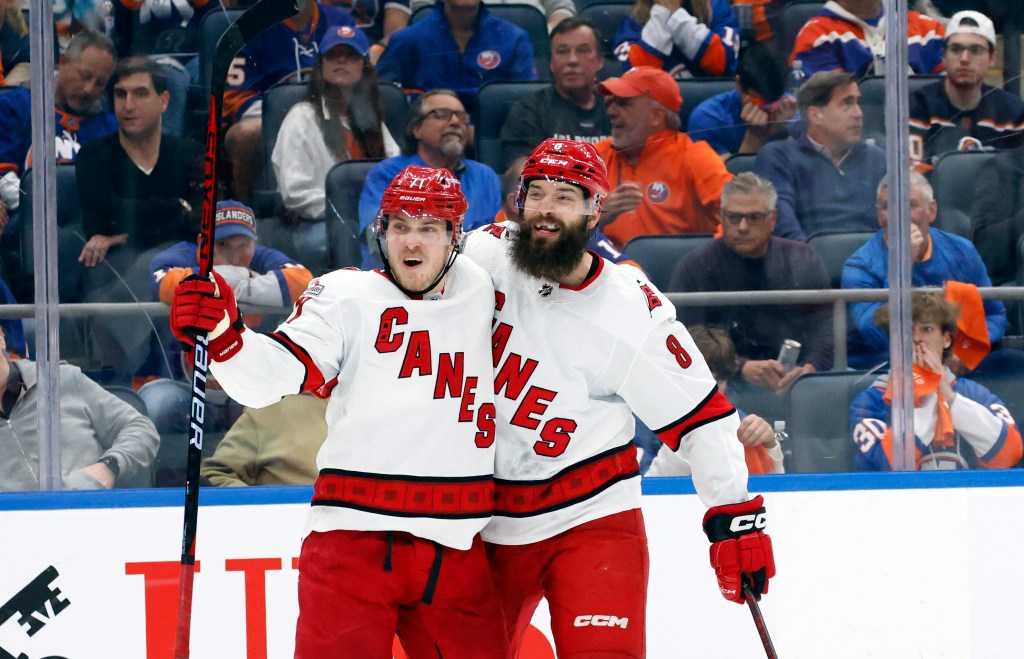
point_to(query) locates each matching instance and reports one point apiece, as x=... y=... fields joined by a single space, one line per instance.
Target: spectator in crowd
x=140 y=190
x=459 y=46
x=104 y=441
x=554 y=10
x=14 y=44
x=158 y=26
x=825 y=178
x=377 y=20
x=598 y=243
x=13 y=329
x=755 y=113
x=341 y=119
x=850 y=35
x=569 y=108
x=761 y=448
x=284 y=53
x=747 y=257
x=937 y=256
x=997 y=214
x=436 y=135
x=266 y=446
x=82 y=76
x=663 y=182
x=687 y=38
x=258 y=275
x=72 y=17
x=961 y=112
x=958 y=423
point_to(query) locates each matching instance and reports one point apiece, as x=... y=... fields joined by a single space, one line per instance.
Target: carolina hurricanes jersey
x=836 y=39
x=985 y=434
x=683 y=47
x=937 y=126
x=410 y=419
x=572 y=365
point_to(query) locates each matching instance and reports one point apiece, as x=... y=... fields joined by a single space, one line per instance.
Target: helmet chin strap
x=444 y=271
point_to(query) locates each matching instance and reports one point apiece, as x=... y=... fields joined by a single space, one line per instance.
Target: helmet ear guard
x=576 y=163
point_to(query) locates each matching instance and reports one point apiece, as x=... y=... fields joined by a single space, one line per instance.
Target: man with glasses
x=436 y=135
x=749 y=258
x=662 y=181
x=960 y=112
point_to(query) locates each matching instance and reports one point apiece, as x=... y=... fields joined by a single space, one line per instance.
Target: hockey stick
x=255 y=20
x=762 y=629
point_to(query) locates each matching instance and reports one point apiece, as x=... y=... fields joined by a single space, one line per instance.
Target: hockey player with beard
x=579 y=346
x=406 y=473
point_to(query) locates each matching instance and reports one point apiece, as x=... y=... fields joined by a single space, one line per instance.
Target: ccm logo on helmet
x=744 y=523
x=547 y=160
x=600 y=621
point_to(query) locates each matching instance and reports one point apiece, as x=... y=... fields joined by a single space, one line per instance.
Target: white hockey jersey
x=572 y=365
x=410 y=439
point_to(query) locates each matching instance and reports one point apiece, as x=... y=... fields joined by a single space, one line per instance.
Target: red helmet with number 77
x=569 y=161
x=425 y=192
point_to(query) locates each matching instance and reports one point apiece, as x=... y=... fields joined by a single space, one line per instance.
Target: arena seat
x=606 y=16
x=872 y=103
x=819 y=421
x=658 y=254
x=953 y=181
x=344 y=184
x=697 y=90
x=792 y=19
x=738 y=163
x=493 y=101
x=212 y=25
x=835 y=248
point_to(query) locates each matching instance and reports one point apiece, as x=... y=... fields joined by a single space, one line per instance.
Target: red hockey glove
x=740 y=549
x=202 y=306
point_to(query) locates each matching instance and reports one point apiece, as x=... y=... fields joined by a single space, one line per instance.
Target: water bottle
x=796 y=77
x=106 y=11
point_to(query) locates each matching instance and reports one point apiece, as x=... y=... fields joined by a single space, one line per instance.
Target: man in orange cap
x=663 y=182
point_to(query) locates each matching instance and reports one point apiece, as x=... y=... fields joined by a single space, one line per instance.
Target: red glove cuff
x=740 y=549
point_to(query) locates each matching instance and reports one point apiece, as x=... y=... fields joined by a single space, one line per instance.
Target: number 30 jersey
x=572 y=365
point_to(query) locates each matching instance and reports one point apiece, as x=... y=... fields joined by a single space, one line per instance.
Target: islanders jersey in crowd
x=424 y=364
x=938 y=127
x=679 y=44
x=572 y=366
x=73 y=130
x=425 y=55
x=983 y=432
x=281 y=54
x=836 y=39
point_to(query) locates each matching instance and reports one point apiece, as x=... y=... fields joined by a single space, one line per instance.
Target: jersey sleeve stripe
x=715 y=406
x=312 y=379
x=570 y=486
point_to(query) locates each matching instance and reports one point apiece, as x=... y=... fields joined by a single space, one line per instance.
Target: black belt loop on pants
x=390 y=536
x=435 y=571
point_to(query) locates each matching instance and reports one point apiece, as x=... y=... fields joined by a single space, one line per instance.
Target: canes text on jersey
x=450 y=379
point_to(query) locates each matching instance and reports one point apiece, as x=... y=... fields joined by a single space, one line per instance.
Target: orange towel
x=971 y=342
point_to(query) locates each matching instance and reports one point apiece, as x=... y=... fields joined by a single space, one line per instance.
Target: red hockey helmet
x=425 y=192
x=573 y=162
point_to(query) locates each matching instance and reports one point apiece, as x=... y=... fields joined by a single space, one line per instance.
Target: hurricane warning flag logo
x=657 y=192
x=488 y=59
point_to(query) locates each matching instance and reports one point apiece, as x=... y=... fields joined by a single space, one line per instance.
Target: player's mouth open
x=546 y=228
x=411 y=262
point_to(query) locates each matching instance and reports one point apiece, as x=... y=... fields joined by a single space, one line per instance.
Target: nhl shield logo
x=657 y=192
x=488 y=59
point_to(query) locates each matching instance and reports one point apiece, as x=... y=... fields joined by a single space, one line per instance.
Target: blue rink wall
x=922 y=565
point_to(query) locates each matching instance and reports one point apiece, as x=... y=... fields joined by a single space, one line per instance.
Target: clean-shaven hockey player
x=406 y=472
x=579 y=345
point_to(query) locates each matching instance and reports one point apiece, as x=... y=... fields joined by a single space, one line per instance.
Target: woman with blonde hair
x=687 y=38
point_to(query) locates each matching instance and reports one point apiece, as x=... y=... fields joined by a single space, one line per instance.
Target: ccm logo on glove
x=744 y=523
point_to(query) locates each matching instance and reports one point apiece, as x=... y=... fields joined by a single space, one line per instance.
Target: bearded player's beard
x=555 y=260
